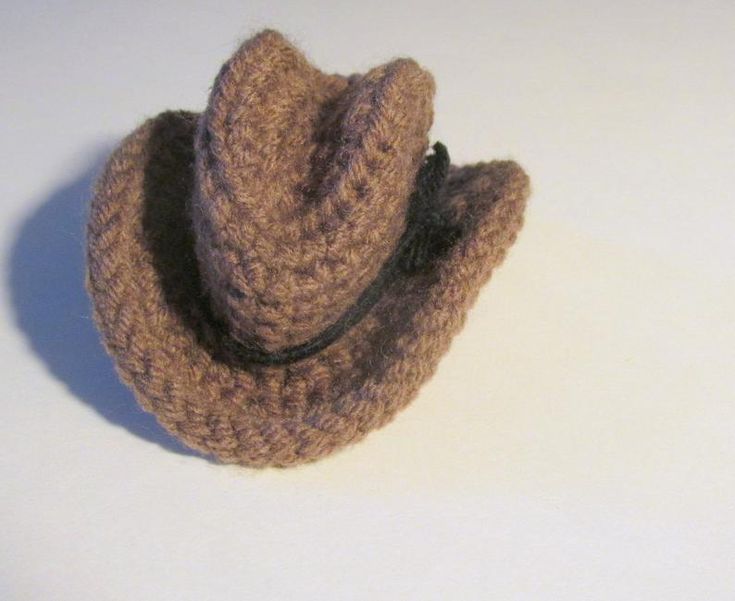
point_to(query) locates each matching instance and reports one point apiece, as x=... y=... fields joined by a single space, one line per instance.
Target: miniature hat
x=277 y=276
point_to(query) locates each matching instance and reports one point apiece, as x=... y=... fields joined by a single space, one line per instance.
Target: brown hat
x=277 y=276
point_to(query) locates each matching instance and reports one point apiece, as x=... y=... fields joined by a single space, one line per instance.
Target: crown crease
x=303 y=182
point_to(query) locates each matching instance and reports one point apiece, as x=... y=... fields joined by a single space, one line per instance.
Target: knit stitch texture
x=269 y=213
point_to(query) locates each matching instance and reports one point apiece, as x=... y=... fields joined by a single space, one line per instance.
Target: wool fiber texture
x=268 y=214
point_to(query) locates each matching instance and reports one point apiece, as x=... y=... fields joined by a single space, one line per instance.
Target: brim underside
x=144 y=282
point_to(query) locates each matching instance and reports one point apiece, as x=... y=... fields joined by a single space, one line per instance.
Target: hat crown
x=303 y=184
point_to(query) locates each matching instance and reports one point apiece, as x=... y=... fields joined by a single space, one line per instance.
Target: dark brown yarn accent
x=428 y=236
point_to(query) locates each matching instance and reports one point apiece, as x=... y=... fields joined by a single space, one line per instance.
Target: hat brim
x=147 y=296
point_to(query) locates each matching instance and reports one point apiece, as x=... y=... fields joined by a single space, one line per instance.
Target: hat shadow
x=46 y=281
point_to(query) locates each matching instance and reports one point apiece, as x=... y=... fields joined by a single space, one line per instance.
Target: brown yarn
x=274 y=209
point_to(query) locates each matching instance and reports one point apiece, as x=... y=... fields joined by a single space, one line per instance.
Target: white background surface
x=578 y=442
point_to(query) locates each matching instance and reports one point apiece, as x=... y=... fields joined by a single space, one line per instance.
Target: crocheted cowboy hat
x=277 y=276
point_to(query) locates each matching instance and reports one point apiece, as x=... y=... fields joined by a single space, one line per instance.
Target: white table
x=578 y=442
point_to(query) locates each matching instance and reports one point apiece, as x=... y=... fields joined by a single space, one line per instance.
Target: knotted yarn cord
x=428 y=235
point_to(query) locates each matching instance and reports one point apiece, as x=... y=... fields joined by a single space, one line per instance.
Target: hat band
x=429 y=234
